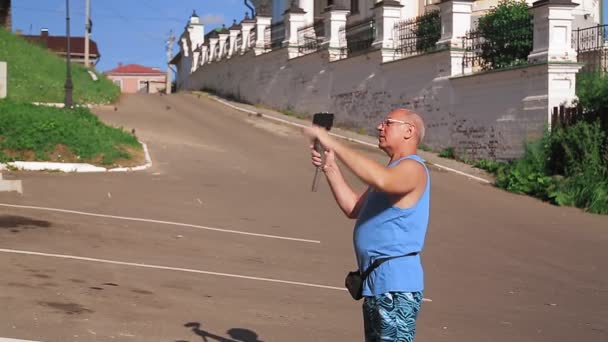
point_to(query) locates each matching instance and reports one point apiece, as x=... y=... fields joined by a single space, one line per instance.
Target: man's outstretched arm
x=348 y=200
x=401 y=179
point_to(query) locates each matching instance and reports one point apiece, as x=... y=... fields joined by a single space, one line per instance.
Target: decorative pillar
x=387 y=13
x=246 y=26
x=552 y=45
x=204 y=53
x=294 y=20
x=195 y=61
x=235 y=29
x=552 y=31
x=262 y=42
x=213 y=41
x=455 y=23
x=335 y=22
x=223 y=37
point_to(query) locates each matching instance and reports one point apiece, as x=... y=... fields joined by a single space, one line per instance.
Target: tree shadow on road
x=236 y=334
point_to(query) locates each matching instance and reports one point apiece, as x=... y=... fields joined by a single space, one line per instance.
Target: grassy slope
x=29 y=132
x=37 y=75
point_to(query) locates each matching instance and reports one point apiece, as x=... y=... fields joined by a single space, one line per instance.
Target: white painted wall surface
x=484 y=115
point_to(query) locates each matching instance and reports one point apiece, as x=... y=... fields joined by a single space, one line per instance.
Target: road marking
x=158 y=267
x=342 y=137
x=179 y=269
x=160 y=222
x=2 y=339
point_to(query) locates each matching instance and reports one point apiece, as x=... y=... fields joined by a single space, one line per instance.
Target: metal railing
x=418 y=35
x=274 y=35
x=310 y=37
x=238 y=43
x=592 y=48
x=507 y=45
x=359 y=36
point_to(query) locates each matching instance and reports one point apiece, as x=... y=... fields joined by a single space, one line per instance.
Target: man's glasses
x=388 y=122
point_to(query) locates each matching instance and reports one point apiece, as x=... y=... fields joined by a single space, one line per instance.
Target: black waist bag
x=354 y=280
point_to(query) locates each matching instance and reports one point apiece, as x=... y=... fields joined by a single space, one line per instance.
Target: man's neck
x=403 y=153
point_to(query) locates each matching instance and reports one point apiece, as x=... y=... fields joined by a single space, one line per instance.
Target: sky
x=126 y=31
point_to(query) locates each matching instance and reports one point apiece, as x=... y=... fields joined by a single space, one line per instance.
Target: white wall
x=484 y=115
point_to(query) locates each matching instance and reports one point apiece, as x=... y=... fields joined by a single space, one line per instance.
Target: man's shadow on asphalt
x=237 y=334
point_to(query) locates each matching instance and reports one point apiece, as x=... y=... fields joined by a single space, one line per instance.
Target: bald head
x=412 y=117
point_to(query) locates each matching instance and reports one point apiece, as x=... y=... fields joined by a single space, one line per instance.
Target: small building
x=57 y=45
x=134 y=78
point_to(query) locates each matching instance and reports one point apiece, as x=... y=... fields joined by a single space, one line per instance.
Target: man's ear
x=409 y=132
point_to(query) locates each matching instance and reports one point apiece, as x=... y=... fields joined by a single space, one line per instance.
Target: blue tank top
x=383 y=230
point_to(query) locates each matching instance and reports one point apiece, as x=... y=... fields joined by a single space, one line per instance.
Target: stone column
x=235 y=29
x=455 y=23
x=294 y=20
x=387 y=13
x=195 y=64
x=246 y=26
x=552 y=45
x=204 y=53
x=223 y=37
x=335 y=21
x=552 y=31
x=213 y=41
x=262 y=42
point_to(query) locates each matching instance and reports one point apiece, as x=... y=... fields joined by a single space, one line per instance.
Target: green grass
x=448 y=152
x=29 y=132
x=37 y=75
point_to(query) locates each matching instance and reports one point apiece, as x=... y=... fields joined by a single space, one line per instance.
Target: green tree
x=428 y=31
x=507 y=32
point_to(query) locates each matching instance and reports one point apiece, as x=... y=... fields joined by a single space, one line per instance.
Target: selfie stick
x=324 y=120
x=319 y=148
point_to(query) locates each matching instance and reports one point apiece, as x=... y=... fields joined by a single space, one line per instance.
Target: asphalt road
x=222 y=240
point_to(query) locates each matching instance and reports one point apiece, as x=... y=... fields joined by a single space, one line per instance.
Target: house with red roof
x=57 y=45
x=135 y=78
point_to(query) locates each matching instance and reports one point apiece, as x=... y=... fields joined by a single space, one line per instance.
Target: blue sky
x=127 y=31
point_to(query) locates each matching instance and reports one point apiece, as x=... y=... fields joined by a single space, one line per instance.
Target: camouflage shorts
x=391 y=316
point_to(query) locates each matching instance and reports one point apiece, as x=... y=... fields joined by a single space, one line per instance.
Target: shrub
x=448 y=152
x=428 y=31
x=507 y=32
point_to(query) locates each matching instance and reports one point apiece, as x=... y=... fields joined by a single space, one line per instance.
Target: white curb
x=76 y=167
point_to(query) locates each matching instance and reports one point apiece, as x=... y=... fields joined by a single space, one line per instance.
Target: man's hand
x=330 y=159
x=319 y=133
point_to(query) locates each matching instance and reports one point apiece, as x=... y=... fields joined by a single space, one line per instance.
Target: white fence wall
x=488 y=115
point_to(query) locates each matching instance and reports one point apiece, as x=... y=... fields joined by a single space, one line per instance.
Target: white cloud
x=211 y=19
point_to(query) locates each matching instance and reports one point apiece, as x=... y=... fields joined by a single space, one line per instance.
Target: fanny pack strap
x=379 y=262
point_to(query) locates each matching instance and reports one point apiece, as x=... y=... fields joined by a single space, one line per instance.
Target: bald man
x=392 y=218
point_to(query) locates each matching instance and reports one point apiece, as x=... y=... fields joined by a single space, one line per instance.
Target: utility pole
x=87 y=28
x=170 y=42
x=68 y=79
